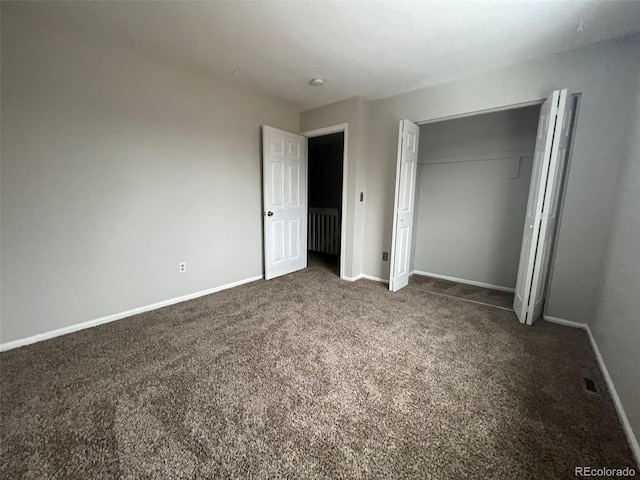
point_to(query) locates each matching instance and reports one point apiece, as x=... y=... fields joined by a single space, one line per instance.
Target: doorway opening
x=326 y=154
x=472 y=186
x=478 y=203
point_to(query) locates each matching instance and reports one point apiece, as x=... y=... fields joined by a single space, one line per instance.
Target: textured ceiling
x=374 y=49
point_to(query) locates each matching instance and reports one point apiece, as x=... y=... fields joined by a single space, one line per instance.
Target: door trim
x=342 y=127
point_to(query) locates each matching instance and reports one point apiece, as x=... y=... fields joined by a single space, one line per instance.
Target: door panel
x=285 y=201
x=544 y=140
x=542 y=207
x=277 y=175
x=406 y=170
x=403 y=250
x=294 y=238
x=294 y=185
x=277 y=234
x=550 y=206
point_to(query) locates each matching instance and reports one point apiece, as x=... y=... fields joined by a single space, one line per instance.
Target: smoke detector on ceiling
x=316 y=82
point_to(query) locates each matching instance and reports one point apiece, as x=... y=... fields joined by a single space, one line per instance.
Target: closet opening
x=472 y=187
x=477 y=204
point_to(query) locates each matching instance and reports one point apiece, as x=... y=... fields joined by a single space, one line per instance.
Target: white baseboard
x=352 y=279
x=366 y=277
x=117 y=316
x=566 y=323
x=626 y=426
x=462 y=280
x=631 y=437
x=375 y=279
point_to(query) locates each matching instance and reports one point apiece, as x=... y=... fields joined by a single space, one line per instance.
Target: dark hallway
x=326 y=157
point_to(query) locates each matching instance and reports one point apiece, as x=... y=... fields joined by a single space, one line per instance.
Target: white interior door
x=284 y=162
x=542 y=208
x=404 y=204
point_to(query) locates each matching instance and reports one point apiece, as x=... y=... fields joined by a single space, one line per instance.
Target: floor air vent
x=589 y=383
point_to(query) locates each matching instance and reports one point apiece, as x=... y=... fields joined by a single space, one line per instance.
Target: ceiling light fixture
x=316 y=82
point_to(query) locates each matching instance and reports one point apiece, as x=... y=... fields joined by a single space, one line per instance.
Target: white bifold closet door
x=284 y=176
x=404 y=204
x=542 y=208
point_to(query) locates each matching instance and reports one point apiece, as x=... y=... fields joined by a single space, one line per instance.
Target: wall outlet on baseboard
x=182 y=267
x=385 y=256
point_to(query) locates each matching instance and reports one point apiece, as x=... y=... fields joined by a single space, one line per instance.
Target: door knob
x=269 y=214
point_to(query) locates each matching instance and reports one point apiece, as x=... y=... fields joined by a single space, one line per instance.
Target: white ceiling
x=374 y=49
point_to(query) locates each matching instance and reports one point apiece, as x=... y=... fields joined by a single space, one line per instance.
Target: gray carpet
x=307 y=376
x=488 y=296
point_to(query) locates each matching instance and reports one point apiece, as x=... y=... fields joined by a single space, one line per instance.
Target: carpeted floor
x=307 y=376
x=488 y=296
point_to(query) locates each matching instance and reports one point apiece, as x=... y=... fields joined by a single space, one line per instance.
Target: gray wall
x=616 y=324
x=114 y=169
x=469 y=210
x=605 y=74
x=505 y=131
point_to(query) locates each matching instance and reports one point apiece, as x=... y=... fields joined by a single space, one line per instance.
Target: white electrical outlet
x=182 y=267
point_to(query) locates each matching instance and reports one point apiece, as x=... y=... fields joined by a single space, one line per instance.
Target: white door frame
x=343 y=127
